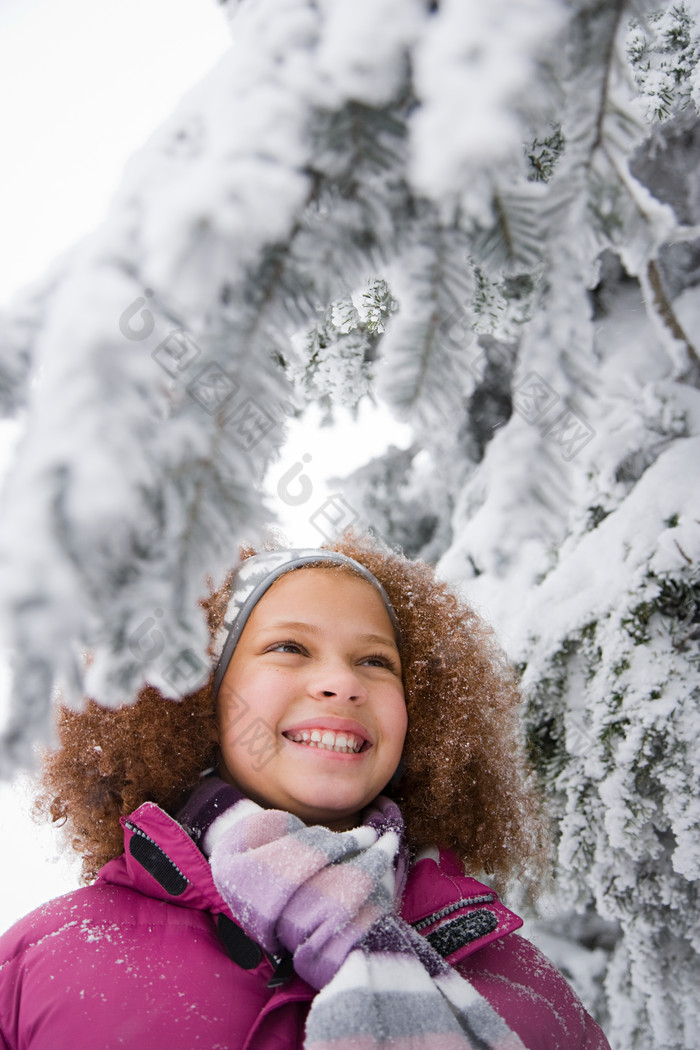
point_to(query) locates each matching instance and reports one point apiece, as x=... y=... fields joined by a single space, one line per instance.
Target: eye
x=380 y=660
x=286 y=647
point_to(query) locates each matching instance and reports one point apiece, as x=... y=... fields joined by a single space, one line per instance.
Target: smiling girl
x=319 y=662
x=279 y=859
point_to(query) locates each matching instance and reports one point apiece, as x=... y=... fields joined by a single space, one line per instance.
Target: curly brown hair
x=466 y=784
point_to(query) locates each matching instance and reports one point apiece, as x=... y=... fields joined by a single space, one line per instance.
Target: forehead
x=319 y=591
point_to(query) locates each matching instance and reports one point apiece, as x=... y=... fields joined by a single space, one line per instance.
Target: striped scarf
x=329 y=899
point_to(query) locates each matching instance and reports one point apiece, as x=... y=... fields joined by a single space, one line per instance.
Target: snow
x=613 y=555
x=358 y=59
x=472 y=66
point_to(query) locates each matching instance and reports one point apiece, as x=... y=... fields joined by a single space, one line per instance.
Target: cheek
x=404 y=725
x=247 y=693
x=230 y=711
x=397 y=722
x=249 y=710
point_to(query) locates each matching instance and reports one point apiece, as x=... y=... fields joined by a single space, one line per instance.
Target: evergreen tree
x=572 y=451
x=488 y=217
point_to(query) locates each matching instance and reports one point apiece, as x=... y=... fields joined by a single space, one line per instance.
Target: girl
x=307 y=890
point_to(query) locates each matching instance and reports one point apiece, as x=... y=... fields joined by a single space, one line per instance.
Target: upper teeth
x=348 y=743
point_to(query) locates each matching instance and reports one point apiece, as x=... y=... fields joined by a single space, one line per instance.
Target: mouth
x=340 y=742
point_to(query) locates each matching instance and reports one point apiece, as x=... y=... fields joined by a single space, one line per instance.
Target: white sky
x=82 y=86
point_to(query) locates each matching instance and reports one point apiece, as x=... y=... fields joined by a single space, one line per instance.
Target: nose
x=337 y=681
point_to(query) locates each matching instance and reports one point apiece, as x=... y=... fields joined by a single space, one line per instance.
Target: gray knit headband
x=255 y=575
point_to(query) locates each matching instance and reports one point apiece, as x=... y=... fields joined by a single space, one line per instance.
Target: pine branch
x=513 y=244
x=423 y=372
x=665 y=311
x=615 y=11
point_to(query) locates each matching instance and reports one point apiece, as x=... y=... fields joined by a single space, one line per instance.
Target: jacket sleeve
x=10 y=987
x=8 y=1004
x=532 y=996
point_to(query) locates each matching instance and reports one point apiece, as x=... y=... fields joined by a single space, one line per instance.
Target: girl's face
x=311 y=712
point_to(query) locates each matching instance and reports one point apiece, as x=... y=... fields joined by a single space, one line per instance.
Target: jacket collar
x=456 y=913
x=160 y=860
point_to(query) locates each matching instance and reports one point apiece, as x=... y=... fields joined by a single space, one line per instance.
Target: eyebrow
x=296 y=625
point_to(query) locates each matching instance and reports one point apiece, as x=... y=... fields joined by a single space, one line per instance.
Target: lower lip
x=347 y=756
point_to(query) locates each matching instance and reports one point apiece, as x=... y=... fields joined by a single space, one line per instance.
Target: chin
x=325 y=806
x=322 y=814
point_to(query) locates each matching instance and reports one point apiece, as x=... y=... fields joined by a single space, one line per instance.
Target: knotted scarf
x=329 y=899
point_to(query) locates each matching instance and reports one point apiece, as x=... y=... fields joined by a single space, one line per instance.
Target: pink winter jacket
x=149 y=956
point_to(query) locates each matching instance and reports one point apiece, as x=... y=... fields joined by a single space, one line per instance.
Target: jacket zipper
x=465 y=902
x=136 y=830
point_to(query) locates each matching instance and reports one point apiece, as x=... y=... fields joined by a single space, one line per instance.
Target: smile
x=343 y=743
